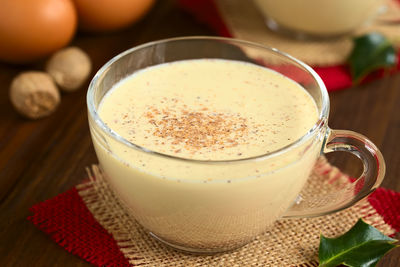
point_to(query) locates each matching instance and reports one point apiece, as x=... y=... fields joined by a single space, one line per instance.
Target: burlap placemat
x=244 y=21
x=290 y=242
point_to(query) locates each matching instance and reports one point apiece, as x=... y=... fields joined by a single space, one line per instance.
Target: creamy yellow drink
x=320 y=17
x=207 y=117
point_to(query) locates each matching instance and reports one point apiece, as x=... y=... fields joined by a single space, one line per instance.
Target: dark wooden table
x=40 y=159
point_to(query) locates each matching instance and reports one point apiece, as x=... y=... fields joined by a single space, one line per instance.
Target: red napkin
x=335 y=77
x=69 y=223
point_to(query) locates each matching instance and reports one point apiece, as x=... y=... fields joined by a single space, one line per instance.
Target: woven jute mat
x=289 y=242
x=245 y=21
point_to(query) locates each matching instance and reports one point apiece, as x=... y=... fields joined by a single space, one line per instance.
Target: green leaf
x=362 y=246
x=370 y=52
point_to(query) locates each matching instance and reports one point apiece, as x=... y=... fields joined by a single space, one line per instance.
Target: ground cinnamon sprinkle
x=197 y=129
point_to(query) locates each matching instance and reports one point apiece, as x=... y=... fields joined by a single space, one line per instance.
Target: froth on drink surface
x=209 y=109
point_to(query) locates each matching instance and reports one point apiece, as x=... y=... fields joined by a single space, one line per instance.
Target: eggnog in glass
x=319 y=18
x=207 y=147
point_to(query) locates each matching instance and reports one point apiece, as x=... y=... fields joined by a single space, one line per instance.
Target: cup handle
x=370 y=179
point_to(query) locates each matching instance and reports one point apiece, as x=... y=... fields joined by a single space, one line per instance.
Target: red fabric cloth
x=69 y=223
x=334 y=77
x=387 y=204
x=206 y=11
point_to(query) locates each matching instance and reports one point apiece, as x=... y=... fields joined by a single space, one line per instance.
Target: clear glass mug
x=307 y=19
x=192 y=213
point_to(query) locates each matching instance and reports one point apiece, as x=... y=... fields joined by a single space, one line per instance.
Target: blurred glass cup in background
x=304 y=19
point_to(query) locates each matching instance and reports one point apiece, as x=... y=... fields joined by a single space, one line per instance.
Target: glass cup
x=190 y=212
x=308 y=19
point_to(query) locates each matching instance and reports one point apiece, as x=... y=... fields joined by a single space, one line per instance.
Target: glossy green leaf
x=362 y=246
x=370 y=52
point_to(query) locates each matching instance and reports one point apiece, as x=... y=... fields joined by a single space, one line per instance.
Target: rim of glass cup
x=99 y=122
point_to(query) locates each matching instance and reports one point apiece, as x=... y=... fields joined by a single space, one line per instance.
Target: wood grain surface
x=41 y=159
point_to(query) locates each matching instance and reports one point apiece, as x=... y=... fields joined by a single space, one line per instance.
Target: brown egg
x=108 y=15
x=31 y=29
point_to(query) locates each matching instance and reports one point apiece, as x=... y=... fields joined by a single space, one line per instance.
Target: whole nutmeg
x=34 y=94
x=69 y=67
